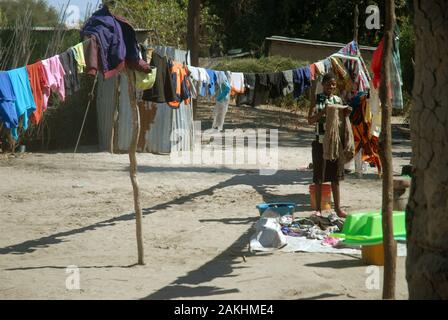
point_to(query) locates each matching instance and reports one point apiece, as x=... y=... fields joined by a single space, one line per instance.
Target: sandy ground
x=57 y=210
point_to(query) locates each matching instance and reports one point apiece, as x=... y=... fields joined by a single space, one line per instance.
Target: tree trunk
x=390 y=248
x=427 y=211
x=193 y=24
x=133 y=163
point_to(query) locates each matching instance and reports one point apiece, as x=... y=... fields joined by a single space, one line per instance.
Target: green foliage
x=168 y=18
x=3 y=20
x=262 y=65
x=41 y=13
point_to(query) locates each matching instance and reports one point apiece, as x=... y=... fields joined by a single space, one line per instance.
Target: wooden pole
x=193 y=24
x=91 y=96
x=133 y=163
x=390 y=246
x=356 y=24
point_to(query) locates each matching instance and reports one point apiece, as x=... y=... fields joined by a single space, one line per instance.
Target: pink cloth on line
x=55 y=74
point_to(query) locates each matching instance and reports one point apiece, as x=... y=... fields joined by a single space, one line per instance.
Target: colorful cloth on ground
x=39 y=83
x=24 y=103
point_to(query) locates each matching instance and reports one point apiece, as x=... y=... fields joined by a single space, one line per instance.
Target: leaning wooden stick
x=133 y=163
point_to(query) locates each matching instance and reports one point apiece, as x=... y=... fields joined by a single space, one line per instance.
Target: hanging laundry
x=212 y=82
x=145 y=81
x=163 y=90
x=179 y=74
x=39 y=83
x=320 y=68
x=78 y=53
x=24 y=103
x=236 y=83
x=247 y=98
x=91 y=56
x=277 y=82
x=8 y=113
x=261 y=94
x=71 y=80
x=362 y=132
x=302 y=80
x=200 y=78
x=54 y=72
x=223 y=86
x=395 y=72
x=204 y=80
x=117 y=41
x=343 y=78
x=289 y=78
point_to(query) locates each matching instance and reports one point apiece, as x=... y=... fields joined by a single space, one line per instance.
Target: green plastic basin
x=366 y=228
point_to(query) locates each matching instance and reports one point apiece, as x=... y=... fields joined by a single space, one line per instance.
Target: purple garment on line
x=117 y=40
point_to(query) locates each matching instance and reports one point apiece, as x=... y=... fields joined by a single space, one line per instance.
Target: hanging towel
x=24 y=103
x=39 y=83
x=237 y=83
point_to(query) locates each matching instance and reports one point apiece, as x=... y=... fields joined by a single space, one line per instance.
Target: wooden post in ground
x=193 y=23
x=356 y=25
x=133 y=163
x=390 y=246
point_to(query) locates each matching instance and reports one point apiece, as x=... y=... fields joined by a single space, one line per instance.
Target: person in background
x=325 y=170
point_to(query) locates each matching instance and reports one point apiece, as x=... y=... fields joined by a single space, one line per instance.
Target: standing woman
x=325 y=170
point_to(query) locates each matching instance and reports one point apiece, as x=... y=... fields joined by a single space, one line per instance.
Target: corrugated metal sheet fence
x=164 y=129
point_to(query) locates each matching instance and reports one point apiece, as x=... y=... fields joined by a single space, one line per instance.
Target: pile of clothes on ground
x=273 y=230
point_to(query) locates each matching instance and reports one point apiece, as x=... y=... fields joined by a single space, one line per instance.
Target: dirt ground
x=57 y=210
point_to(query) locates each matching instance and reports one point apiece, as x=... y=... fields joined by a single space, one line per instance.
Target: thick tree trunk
x=427 y=211
x=194 y=18
x=390 y=248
